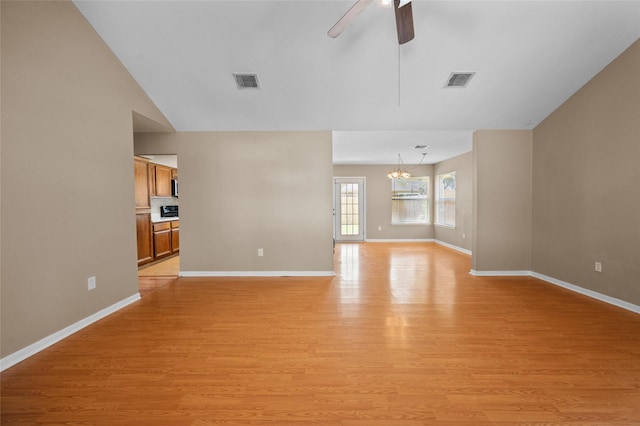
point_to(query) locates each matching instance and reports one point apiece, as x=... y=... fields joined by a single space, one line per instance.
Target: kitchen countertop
x=156 y=218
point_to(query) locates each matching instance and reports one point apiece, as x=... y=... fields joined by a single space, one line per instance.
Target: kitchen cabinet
x=175 y=236
x=162 y=239
x=151 y=176
x=152 y=180
x=166 y=238
x=144 y=237
x=141 y=175
x=162 y=177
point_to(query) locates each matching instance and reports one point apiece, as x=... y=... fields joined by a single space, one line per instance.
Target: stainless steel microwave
x=174 y=187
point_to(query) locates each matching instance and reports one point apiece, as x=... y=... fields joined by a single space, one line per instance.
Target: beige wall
x=240 y=191
x=461 y=236
x=586 y=193
x=67 y=172
x=502 y=197
x=1 y=118
x=378 y=202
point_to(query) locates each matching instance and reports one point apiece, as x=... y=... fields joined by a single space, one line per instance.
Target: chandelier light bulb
x=398 y=172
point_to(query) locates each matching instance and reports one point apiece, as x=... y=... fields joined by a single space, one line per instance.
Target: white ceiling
x=379 y=99
x=165 y=160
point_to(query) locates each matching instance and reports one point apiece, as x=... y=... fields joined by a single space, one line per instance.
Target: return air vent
x=246 y=81
x=459 y=79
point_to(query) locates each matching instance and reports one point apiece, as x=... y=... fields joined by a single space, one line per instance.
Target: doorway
x=349 y=216
x=160 y=262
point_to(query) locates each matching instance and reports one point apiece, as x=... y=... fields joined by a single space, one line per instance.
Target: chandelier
x=399 y=172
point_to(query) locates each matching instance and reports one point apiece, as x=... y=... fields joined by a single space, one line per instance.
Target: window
x=446 y=199
x=410 y=200
x=349 y=209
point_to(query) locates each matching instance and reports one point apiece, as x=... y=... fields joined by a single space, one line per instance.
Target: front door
x=349 y=209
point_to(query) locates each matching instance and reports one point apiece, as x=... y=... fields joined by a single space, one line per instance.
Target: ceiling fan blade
x=404 y=21
x=344 y=22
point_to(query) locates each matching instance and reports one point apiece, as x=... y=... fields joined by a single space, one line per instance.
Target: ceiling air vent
x=246 y=81
x=459 y=79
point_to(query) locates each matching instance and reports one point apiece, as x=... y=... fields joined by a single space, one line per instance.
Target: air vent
x=246 y=81
x=459 y=79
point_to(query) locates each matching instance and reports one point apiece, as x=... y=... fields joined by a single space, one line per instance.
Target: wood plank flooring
x=167 y=267
x=147 y=285
x=402 y=336
x=152 y=277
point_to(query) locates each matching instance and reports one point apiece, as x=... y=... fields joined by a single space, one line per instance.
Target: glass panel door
x=349 y=209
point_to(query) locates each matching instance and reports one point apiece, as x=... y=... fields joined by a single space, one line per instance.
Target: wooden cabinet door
x=162 y=239
x=144 y=236
x=141 y=183
x=175 y=236
x=163 y=181
x=152 y=179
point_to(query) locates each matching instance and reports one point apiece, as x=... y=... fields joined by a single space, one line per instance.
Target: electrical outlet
x=91 y=283
x=260 y=252
x=598 y=267
x=464 y=235
x=379 y=228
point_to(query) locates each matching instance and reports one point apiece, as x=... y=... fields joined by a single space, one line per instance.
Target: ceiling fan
x=404 y=19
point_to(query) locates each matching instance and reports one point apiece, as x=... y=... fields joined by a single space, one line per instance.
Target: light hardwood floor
x=151 y=278
x=168 y=267
x=403 y=335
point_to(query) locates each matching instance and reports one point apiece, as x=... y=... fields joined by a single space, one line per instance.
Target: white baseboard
x=451 y=246
x=500 y=273
x=575 y=288
x=257 y=273
x=34 y=348
x=593 y=294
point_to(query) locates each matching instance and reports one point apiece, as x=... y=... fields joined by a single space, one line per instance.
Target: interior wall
x=586 y=174
x=378 y=201
x=241 y=191
x=67 y=172
x=462 y=235
x=502 y=200
x=0 y=175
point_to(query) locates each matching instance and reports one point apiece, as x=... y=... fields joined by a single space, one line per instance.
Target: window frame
x=427 y=197
x=439 y=200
